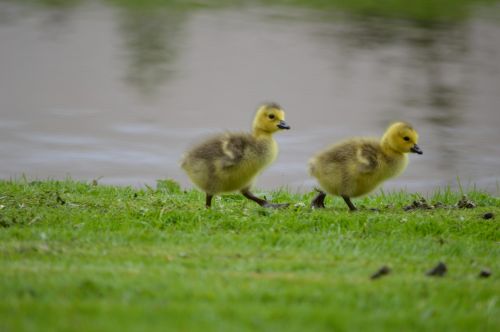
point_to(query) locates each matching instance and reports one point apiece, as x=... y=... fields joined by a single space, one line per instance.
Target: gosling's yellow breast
x=355 y=167
x=228 y=162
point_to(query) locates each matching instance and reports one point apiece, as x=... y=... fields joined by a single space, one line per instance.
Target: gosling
x=356 y=166
x=230 y=161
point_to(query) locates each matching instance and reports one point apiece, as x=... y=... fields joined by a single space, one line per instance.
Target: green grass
x=83 y=257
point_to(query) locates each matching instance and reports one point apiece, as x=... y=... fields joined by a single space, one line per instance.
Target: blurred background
x=116 y=90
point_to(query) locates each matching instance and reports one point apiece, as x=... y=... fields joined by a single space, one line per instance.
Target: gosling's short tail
x=312 y=167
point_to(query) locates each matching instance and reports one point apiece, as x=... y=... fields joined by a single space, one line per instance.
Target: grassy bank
x=82 y=257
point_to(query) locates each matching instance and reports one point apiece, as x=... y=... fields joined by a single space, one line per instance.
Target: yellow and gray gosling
x=356 y=166
x=231 y=161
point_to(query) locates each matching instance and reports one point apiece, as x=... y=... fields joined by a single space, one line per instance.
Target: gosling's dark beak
x=283 y=125
x=416 y=149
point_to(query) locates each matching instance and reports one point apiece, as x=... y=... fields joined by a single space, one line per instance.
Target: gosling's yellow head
x=269 y=119
x=401 y=137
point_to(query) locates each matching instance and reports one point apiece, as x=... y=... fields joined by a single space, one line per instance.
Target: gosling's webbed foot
x=263 y=202
x=319 y=201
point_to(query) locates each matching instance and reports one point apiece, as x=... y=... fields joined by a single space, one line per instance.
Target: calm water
x=93 y=90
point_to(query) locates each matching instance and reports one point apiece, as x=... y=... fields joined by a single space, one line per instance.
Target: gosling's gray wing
x=226 y=150
x=368 y=158
x=233 y=148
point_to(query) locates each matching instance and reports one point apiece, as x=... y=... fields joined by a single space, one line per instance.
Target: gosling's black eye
x=271 y=116
x=406 y=138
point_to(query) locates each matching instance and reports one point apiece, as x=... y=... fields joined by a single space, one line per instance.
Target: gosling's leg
x=208 y=201
x=351 y=206
x=319 y=201
x=262 y=202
